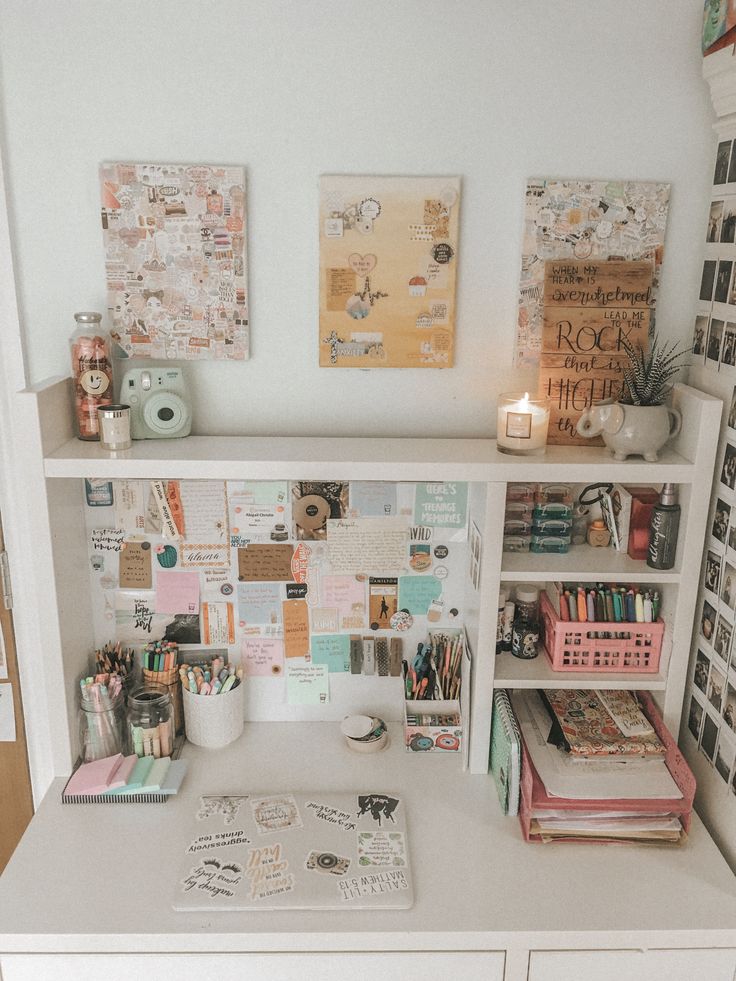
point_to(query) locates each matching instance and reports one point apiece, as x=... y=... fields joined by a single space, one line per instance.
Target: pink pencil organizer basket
x=572 y=646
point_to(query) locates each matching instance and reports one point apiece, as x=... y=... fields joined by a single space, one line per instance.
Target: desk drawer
x=633 y=965
x=388 y=966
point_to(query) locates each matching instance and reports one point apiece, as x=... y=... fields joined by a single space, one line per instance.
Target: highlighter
x=639 y=603
x=582 y=612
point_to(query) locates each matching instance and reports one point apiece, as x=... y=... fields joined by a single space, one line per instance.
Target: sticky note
x=417 y=592
x=307 y=684
x=177 y=592
x=331 y=650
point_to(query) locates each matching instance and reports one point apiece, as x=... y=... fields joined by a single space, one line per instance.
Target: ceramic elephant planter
x=631 y=430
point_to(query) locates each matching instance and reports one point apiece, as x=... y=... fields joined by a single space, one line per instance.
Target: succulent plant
x=649 y=374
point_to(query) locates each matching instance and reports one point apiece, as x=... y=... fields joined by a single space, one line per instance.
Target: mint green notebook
x=505 y=753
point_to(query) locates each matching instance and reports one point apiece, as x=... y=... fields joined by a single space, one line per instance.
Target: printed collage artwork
x=281 y=574
x=711 y=701
x=175 y=260
x=388 y=265
x=584 y=220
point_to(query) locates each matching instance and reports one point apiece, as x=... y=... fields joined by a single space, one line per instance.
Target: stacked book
x=600 y=766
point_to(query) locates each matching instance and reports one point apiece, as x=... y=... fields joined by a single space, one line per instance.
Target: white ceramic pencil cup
x=213 y=721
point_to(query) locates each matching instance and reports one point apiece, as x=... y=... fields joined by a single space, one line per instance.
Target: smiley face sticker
x=94 y=382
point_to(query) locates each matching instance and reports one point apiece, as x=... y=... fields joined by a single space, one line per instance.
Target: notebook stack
x=122 y=779
x=600 y=766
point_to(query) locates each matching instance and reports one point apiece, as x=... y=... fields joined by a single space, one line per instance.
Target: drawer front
x=633 y=965
x=388 y=966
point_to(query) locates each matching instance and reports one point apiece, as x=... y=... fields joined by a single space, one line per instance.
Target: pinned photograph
x=731 y=419
x=715 y=219
x=728 y=224
x=729 y=707
x=707 y=280
x=728 y=353
x=725 y=757
x=708 y=621
x=715 y=337
x=700 y=332
x=728 y=586
x=702 y=668
x=720 y=521
x=712 y=572
x=722 y=640
x=709 y=738
x=728 y=470
x=695 y=718
x=722 y=158
x=714 y=692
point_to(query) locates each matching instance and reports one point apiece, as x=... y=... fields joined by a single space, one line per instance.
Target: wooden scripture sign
x=590 y=309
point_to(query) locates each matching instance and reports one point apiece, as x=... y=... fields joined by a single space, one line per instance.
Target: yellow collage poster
x=388 y=267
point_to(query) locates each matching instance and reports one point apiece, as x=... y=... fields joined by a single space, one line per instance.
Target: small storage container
x=600 y=646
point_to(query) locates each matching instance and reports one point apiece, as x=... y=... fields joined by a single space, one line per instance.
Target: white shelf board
x=477 y=884
x=583 y=563
x=513 y=672
x=369 y=458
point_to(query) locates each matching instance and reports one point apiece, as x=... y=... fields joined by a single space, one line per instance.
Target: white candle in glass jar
x=522 y=423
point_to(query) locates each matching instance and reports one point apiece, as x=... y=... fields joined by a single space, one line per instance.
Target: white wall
x=493 y=91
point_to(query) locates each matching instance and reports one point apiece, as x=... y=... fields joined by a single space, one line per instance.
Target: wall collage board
x=711 y=692
x=281 y=574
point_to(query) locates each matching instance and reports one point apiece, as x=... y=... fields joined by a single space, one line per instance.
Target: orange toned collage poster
x=388 y=267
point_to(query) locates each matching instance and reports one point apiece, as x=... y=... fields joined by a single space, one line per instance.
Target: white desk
x=91 y=880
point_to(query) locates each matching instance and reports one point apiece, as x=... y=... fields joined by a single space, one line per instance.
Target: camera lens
x=166 y=414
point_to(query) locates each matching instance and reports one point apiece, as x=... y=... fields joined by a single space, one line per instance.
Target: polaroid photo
x=728 y=223
x=708 y=621
x=725 y=756
x=723 y=280
x=712 y=575
x=715 y=337
x=728 y=351
x=731 y=418
x=709 y=737
x=728 y=586
x=707 y=280
x=700 y=332
x=728 y=470
x=731 y=539
x=719 y=529
x=723 y=155
x=722 y=639
x=728 y=706
x=702 y=669
x=715 y=220
x=716 y=685
x=695 y=718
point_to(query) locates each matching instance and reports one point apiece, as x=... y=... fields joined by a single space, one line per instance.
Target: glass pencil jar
x=150 y=720
x=101 y=727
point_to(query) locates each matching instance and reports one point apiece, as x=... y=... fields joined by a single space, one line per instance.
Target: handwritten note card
x=218 y=623
x=262 y=656
x=346 y=594
x=296 y=628
x=177 y=592
x=334 y=651
x=135 y=565
x=417 y=592
x=265 y=563
x=367 y=544
x=259 y=603
x=205 y=510
x=307 y=684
